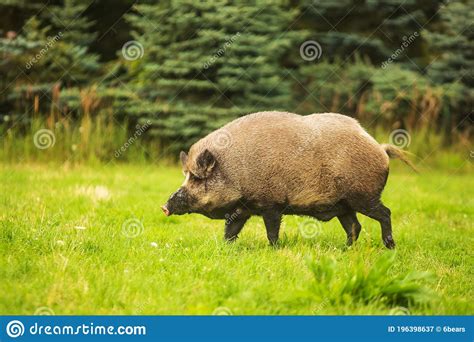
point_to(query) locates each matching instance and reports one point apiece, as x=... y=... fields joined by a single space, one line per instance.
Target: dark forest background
x=179 y=69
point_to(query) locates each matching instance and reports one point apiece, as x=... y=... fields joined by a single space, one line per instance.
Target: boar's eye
x=193 y=177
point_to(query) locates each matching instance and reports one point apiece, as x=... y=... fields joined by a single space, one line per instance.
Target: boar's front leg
x=272 y=220
x=234 y=225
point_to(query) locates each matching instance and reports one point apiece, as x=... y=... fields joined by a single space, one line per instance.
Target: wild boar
x=276 y=163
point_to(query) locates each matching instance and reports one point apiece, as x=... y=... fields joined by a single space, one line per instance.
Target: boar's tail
x=394 y=152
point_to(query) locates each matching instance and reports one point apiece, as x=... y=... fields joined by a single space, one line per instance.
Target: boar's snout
x=178 y=203
x=165 y=210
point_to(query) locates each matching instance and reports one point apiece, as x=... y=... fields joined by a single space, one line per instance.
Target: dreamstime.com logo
x=400 y=138
x=219 y=53
x=16 y=329
x=140 y=129
x=310 y=228
x=132 y=227
x=50 y=43
x=223 y=139
x=311 y=50
x=132 y=50
x=44 y=138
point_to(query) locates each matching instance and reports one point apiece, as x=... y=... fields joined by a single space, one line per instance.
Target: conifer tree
x=368 y=28
x=205 y=63
x=23 y=69
x=452 y=65
x=70 y=62
x=453 y=45
x=49 y=52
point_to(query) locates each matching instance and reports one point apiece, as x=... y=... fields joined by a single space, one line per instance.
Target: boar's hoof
x=389 y=243
x=231 y=239
x=350 y=241
x=273 y=241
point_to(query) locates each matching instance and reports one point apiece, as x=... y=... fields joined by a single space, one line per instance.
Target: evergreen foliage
x=191 y=66
x=391 y=97
x=207 y=63
x=50 y=53
x=73 y=64
x=452 y=64
x=372 y=28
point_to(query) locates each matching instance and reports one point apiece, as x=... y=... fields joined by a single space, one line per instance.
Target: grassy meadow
x=96 y=102
x=92 y=240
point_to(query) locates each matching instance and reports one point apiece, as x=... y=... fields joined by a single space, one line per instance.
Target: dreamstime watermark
x=15 y=329
x=44 y=311
x=319 y=309
x=407 y=220
x=223 y=139
x=44 y=138
x=400 y=138
x=311 y=50
x=222 y=311
x=219 y=53
x=132 y=50
x=49 y=44
x=407 y=41
x=229 y=218
x=399 y=311
x=310 y=228
x=140 y=129
x=132 y=227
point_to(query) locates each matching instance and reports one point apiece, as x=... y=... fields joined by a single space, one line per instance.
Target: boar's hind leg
x=272 y=220
x=351 y=225
x=382 y=214
x=233 y=228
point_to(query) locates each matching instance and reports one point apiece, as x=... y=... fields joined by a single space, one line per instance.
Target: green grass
x=180 y=265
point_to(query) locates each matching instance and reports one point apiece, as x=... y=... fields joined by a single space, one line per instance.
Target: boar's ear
x=205 y=163
x=184 y=158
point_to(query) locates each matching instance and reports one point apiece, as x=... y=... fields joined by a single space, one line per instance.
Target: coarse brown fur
x=275 y=163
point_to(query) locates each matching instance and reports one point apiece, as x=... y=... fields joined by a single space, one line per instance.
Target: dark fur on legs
x=382 y=214
x=233 y=227
x=272 y=220
x=351 y=225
